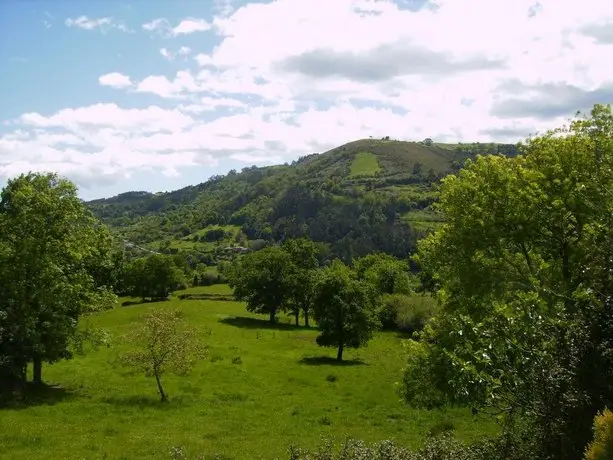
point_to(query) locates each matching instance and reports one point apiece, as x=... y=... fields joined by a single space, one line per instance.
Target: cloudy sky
x=155 y=95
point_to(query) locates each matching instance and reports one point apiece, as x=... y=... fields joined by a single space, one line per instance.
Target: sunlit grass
x=261 y=389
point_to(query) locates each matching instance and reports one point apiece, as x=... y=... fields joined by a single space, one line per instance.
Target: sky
x=156 y=95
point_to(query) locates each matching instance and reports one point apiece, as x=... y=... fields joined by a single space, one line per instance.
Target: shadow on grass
x=255 y=323
x=142 y=402
x=35 y=395
x=328 y=361
x=128 y=303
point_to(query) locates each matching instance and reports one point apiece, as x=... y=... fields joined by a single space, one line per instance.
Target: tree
x=164 y=344
x=523 y=266
x=304 y=258
x=55 y=263
x=386 y=273
x=345 y=309
x=154 y=276
x=262 y=280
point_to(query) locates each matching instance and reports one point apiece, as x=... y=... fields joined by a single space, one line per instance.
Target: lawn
x=364 y=164
x=261 y=389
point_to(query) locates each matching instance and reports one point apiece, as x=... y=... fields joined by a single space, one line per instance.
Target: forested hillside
x=367 y=195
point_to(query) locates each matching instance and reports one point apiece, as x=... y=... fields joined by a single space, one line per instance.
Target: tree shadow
x=128 y=303
x=35 y=395
x=143 y=402
x=329 y=361
x=255 y=323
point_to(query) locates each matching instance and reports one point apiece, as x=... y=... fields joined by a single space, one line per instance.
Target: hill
x=370 y=194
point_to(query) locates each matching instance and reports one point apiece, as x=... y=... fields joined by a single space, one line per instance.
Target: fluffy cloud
x=184 y=27
x=271 y=89
x=115 y=80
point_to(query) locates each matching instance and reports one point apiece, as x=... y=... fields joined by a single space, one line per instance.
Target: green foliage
x=384 y=272
x=345 y=309
x=404 y=313
x=442 y=447
x=154 y=277
x=601 y=448
x=262 y=280
x=523 y=264
x=315 y=197
x=163 y=344
x=304 y=262
x=55 y=265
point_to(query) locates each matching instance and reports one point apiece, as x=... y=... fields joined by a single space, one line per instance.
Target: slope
x=370 y=194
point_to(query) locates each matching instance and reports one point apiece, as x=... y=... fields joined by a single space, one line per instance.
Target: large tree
x=53 y=257
x=262 y=279
x=155 y=277
x=304 y=258
x=345 y=309
x=524 y=268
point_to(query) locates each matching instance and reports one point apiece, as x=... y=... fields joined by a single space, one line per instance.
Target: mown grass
x=364 y=164
x=261 y=389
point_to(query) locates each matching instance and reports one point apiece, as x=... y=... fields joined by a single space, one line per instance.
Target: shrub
x=439 y=448
x=406 y=313
x=208 y=279
x=412 y=317
x=601 y=448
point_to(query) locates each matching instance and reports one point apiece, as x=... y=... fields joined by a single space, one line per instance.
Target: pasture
x=262 y=388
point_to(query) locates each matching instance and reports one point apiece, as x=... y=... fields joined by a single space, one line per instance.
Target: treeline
x=347 y=302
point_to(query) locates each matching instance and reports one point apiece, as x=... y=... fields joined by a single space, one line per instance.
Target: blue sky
x=156 y=95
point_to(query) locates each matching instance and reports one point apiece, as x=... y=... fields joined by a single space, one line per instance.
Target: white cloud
x=189 y=26
x=272 y=89
x=104 y=24
x=161 y=86
x=170 y=56
x=167 y=54
x=185 y=27
x=115 y=80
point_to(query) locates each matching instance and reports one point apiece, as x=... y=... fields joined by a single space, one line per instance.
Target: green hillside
x=262 y=388
x=355 y=198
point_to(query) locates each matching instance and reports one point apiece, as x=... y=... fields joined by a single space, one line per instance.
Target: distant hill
x=370 y=194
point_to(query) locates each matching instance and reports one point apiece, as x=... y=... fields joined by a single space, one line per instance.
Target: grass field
x=261 y=389
x=364 y=164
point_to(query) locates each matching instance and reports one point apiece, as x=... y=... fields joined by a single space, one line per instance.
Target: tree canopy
x=345 y=309
x=523 y=265
x=53 y=259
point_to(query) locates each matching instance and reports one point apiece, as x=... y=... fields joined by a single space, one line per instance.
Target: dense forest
x=368 y=195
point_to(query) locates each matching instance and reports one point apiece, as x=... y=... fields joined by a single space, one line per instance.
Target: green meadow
x=262 y=388
x=364 y=164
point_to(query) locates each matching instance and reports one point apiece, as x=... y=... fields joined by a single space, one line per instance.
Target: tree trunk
x=163 y=396
x=297 y=313
x=272 y=318
x=339 y=354
x=37 y=376
x=306 y=317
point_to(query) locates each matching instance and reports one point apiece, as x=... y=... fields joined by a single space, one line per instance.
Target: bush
x=406 y=313
x=438 y=448
x=601 y=448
